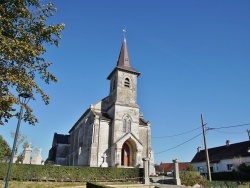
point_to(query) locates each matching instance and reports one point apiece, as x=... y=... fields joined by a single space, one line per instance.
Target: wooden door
x=125 y=155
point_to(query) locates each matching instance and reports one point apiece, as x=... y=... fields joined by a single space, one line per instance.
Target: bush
x=190 y=178
x=25 y=172
x=231 y=176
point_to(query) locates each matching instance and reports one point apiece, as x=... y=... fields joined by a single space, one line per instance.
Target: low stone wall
x=162 y=179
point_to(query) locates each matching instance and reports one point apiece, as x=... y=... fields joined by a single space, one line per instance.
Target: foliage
x=244 y=168
x=24 y=33
x=5 y=150
x=25 y=172
x=191 y=167
x=20 y=139
x=189 y=178
x=231 y=176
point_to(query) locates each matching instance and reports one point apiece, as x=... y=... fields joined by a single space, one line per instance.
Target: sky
x=193 y=55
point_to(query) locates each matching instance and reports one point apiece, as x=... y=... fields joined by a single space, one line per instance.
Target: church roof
x=123 y=62
x=143 y=122
x=61 y=138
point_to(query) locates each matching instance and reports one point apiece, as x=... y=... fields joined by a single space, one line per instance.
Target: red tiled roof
x=167 y=167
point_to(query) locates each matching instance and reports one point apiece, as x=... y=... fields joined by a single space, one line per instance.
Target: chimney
x=199 y=149
x=228 y=143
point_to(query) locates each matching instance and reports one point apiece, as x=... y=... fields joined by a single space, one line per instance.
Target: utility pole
x=205 y=144
x=248 y=131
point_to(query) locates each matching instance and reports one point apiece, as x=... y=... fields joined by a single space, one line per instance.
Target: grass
x=30 y=184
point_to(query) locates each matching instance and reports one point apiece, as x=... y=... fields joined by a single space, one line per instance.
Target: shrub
x=190 y=178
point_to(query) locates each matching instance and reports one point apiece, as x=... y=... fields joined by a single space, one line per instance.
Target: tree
x=21 y=138
x=5 y=150
x=24 y=33
x=191 y=167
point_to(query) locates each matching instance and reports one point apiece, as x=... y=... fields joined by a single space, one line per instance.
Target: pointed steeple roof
x=123 y=62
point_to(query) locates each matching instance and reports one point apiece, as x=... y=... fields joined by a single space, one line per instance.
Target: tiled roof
x=170 y=166
x=223 y=152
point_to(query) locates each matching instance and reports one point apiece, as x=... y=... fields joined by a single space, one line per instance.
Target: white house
x=223 y=158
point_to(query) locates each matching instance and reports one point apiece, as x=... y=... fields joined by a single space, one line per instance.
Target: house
x=169 y=167
x=223 y=158
x=113 y=131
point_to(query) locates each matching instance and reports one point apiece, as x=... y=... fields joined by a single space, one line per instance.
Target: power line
x=178 y=144
x=229 y=132
x=169 y=136
x=209 y=128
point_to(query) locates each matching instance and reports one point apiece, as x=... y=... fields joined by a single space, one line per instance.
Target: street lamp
x=24 y=99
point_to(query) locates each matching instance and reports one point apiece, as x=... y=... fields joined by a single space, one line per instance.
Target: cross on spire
x=124 y=34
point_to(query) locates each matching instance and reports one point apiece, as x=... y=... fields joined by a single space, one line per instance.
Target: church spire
x=123 y=62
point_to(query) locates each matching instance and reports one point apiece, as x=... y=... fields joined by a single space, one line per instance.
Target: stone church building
x=111 y=132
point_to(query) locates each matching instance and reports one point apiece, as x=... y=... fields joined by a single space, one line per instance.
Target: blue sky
x=193 y=57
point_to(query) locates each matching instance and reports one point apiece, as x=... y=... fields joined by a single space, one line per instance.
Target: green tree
x=191 y=167
x=5 y=150
x=24 y=34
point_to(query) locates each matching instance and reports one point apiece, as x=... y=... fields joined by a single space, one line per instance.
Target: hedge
x=26 y=172
x=231 y=176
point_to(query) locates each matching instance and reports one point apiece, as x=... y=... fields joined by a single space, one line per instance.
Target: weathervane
x=124 y=33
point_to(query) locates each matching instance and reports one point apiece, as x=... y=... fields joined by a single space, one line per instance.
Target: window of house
x=127 y=82
x=229 y=166
x=200 y=169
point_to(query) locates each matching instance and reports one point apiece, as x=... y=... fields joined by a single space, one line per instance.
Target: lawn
x=29 y=184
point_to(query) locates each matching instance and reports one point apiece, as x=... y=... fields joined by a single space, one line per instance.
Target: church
x=112 y=132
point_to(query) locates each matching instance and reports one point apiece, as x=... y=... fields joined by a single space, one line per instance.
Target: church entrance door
x=125 y=155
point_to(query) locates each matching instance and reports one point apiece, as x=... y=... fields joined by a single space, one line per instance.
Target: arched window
x=126 y=82
x=126 y=124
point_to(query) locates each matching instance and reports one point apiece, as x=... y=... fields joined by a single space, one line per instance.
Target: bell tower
x=123 y=95
x=123 y=80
